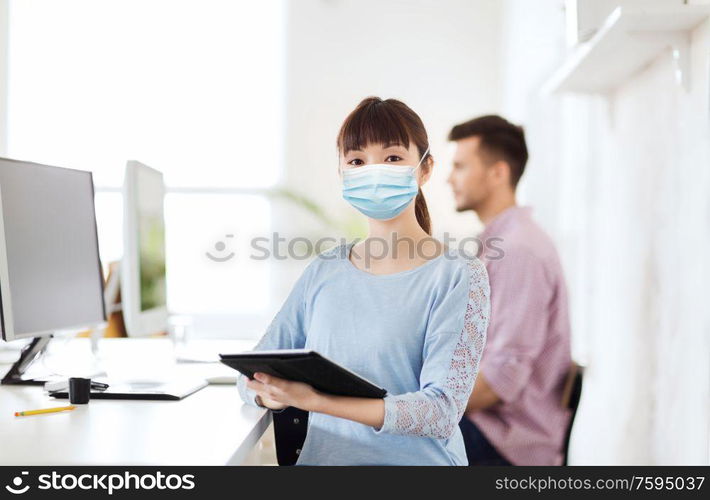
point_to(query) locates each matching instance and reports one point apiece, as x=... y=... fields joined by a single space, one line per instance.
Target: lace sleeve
x=436 y=409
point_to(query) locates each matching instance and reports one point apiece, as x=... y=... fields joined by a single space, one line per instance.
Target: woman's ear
x=425 y=170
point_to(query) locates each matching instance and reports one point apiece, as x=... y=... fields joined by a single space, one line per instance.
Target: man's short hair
x=499 y=140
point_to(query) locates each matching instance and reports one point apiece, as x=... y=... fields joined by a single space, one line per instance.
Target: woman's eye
x=393 y=158
x=355 y=162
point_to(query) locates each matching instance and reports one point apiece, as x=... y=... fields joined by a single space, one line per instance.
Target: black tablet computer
x=304 y=366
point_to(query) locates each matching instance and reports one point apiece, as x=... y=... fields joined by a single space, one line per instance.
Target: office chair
x=290 y=427
x=571 y=395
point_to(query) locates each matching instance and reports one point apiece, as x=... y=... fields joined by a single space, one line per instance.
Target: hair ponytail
x=422 y=212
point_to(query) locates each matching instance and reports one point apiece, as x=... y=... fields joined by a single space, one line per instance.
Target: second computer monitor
x=143 y=284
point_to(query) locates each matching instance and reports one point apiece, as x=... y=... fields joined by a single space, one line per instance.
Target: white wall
x=621 y=182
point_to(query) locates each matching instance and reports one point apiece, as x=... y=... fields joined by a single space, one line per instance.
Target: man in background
x=514 y=415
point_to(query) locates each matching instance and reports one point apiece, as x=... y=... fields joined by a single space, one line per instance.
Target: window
x=193 y=88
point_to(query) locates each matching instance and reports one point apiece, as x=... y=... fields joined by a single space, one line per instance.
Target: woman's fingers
x=280 y=383
x=261 y=389
x=267 y=386
x=281 y=391
x=255 y=385
x=259 y=385
x=273 y=388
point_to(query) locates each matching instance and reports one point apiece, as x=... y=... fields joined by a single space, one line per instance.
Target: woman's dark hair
x=389 y=121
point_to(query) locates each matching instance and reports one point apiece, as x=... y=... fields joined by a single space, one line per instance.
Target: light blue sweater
x=418 y=333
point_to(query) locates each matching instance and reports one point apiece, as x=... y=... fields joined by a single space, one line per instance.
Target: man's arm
x=482 y=396
x=520 y=297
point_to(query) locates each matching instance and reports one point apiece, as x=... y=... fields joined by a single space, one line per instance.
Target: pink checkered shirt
x=527 y=354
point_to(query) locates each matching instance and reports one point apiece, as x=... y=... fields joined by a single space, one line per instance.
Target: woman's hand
x=278 y=393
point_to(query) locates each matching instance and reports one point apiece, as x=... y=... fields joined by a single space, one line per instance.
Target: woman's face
x=387 y=154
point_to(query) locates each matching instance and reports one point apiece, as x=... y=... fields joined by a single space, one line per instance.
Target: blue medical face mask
x=381 y=191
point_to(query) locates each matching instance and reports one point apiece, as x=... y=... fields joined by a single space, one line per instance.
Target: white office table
x=209 y=427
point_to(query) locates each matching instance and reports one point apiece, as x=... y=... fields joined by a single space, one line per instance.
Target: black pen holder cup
x=79 y=390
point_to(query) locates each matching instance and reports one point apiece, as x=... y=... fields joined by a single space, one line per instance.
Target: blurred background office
x=238 y=103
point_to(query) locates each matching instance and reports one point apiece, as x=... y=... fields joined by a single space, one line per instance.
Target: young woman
x=398 y=308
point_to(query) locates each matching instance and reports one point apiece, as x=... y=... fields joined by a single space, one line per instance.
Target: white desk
x=210 y=427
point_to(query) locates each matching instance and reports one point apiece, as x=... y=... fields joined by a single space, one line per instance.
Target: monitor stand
x=27 y=356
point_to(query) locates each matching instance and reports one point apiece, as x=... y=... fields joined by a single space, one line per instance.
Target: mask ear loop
x=421 y=160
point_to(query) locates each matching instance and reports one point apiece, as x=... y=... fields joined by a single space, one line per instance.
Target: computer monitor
x=143 y=285
x=50 y=272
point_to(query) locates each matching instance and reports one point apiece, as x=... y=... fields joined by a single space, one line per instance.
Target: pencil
x=45 y=410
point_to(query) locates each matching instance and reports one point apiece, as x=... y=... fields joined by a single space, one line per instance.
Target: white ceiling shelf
x=629 y=39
